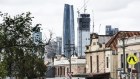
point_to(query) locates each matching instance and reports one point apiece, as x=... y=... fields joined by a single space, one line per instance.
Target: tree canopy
x=17 y=49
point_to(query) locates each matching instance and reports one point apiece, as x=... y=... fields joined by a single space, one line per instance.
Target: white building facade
x=62 y=66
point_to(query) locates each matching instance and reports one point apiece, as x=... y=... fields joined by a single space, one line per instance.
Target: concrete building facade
x=97 y=60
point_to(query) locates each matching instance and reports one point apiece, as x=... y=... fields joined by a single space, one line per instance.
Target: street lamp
x=123 y=47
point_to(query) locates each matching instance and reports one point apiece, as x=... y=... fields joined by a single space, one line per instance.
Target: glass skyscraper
x=110 y=30
x=68 y=29
x=83 y=33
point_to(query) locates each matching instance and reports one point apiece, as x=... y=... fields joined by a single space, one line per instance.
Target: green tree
x=17 y=47
x=3 y=71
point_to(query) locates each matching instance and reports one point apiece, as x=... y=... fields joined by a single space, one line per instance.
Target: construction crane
x=78 y=12
x=84 y=6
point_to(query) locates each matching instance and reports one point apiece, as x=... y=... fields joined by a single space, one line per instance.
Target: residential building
x=68 y=29
x=83 y=37
x=97 y=60
x=130 y=45
x=110 y=30
x=62 y=66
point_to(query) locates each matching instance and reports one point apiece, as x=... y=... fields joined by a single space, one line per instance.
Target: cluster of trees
x=17 y=49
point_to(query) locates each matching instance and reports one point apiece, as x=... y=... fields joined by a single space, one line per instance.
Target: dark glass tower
x=68 y=28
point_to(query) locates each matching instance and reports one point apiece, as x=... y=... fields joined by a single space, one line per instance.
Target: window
x=84 y=70
x=100 y=45
x=94 y=43
x=107 y=62
x=67 y=70
x=97 y=63
x=87 y=47
x=113 y=52
x=58 y=71
x=135 y=54
x=90 y=63
x=64 y=70
x=121 y=60
x=127 y=65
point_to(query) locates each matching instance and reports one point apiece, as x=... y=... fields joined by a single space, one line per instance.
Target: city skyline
x=120 y=14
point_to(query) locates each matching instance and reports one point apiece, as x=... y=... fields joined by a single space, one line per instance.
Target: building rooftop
x=65 y=61
x=121 y=34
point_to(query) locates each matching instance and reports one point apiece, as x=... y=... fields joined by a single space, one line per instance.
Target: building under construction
x=83 y=33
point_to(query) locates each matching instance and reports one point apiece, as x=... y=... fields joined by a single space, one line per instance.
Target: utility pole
x=123 y=47
x=69 y=47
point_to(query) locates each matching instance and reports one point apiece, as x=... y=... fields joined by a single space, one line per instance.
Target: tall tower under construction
x=83 y=33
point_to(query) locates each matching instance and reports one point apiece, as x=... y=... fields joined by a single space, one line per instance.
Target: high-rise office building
x=83 y=33
x=110 y=30
x=59 y=45
x=68 y=29
x=37 y=35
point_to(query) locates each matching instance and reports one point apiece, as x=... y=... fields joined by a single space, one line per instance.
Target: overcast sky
x=123 y=14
